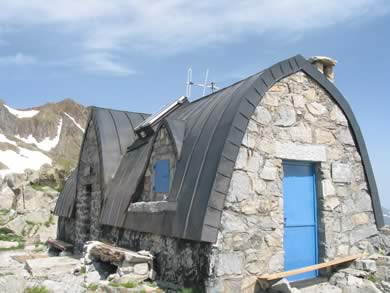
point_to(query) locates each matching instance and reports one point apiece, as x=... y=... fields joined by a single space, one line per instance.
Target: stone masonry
x=296 y=120
x=88 y=202
x=162 y=150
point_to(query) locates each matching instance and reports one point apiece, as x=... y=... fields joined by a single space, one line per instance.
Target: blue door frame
x=300 y=218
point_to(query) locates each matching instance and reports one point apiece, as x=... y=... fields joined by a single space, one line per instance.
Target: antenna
x=189 y=82
x=212 y=86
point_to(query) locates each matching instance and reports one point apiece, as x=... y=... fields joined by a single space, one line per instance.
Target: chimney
x=325 y=65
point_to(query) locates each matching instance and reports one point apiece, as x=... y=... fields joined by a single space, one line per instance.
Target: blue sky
x=134 y=55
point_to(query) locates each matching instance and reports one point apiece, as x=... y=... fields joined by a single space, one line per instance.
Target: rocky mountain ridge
x=50 y=134
x=38 y=149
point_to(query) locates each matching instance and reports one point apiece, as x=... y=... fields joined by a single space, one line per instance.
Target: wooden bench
x=270 y=278
x=59 y=245
x=275 y=276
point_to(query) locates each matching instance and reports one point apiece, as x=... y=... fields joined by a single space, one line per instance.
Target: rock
x=301 y=133
x=269 y=172
x=240 y=186
x=141 y=269
x=316 y=109
x=367 y=265
x=321 y=288
x=331 y=203
x=17 y=225
x=310 y=95
x=45 y=267
x=360 y=219
x=7 y=198
x=13 y=283
x=8 y=244
x=328 y=188
x=271 y=100
x=286 y=116
x=363 y=233
x=324 y=137
x=341 y=173
x=229 y=264
x=37 y=216
x=92 y=277
x=338 y=116
x=281 y=286
x=355 y=272
x=262 y=115
x=65 y=283
x=344 y=136
x=298 y=101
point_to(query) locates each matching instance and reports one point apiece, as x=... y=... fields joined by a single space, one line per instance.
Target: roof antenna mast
x=212 y=85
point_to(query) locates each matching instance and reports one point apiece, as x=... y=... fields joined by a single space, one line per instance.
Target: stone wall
x=88 y=201
x=162 y=150
x=178 y=261
x=296 y=120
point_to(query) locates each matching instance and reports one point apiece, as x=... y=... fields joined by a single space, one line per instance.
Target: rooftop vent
x=325 y=65
x=146 y=126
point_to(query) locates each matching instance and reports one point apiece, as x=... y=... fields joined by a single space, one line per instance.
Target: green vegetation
x=189 y=290
x=372 y=278
x=124 y=285
x=93 y=287
x=7 y=235
x=37 y=289
x=4 y=212
x=83 y=270
x=50 y=221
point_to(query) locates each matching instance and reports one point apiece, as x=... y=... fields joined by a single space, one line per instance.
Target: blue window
x=161 y=176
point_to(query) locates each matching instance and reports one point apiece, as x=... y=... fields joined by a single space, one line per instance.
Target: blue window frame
x=161 y=176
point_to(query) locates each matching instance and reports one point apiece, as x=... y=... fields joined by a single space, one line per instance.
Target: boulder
x=7 y=198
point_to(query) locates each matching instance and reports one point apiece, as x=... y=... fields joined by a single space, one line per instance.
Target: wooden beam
x=59 y=244
x=275 y=276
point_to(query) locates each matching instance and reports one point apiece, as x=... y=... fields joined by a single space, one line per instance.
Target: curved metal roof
x=65 y=202
x=115 y=133
x=214 y=129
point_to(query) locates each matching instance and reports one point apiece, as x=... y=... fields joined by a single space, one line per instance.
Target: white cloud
x=17 y=59
x=104 y=30
x=104 y=63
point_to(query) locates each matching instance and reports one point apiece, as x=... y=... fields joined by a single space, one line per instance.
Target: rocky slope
x=38 y=149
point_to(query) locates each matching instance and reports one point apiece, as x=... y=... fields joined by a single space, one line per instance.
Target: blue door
x=300 y=218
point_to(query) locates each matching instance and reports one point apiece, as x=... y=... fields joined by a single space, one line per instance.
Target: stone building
x=266 y=175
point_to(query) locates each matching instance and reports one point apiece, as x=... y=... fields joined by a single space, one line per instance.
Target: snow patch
x=22 y=113
x=17 y=162
x=75 y=122
x=3 y=138
x=47 y=143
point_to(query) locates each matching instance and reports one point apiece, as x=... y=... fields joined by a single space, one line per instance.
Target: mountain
x=38 y=149
x=45 y=135
x=386 y=215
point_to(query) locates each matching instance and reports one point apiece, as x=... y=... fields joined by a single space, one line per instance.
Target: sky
x=134 y=55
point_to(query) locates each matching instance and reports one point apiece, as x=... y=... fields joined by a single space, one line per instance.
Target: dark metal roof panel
x=115 y=131
x=65 y=202
x=123 y=186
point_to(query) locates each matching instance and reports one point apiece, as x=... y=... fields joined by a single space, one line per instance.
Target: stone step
x=43 y=267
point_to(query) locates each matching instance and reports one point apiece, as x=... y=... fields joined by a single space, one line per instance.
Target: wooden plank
x=61 y=245
x=270 y=277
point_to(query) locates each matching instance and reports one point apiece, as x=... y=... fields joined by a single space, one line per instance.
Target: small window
x=161 y=176
x=88 y=188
